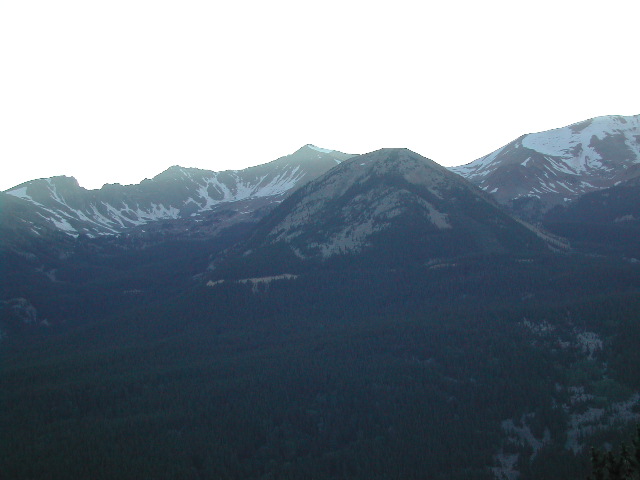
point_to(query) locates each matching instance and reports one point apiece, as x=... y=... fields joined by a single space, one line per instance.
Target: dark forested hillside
x=606 y=222
x=441 y=371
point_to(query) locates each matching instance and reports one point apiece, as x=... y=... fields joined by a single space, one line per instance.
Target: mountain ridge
x=177 y=192
x=559 y=165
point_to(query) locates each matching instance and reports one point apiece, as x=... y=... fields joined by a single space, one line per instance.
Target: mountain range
x=323 y=207
x=530 y=175
x=327 y=316
x=176 y=193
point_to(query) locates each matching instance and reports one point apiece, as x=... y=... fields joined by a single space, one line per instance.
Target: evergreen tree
x=622 y=466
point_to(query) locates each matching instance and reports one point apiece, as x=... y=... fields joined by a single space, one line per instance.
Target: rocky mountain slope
x=558 y=165
x=173 y=194
x=391 y=206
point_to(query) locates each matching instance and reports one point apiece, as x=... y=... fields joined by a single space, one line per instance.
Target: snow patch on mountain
x=576 y=150
x=256 y=282
x=21 y=193
x=483 y=166
x=318 y=149
x=280 y=184
x=573 y=143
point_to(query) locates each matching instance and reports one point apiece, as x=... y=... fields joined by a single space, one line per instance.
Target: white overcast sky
x=118 y=91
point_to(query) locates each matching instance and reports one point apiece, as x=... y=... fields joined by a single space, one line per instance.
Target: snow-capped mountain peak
x=318 y=149
x=561 y=164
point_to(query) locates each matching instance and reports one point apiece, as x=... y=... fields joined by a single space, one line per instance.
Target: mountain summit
x=561 y=164
x=388 y=206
